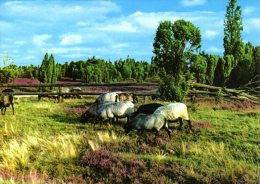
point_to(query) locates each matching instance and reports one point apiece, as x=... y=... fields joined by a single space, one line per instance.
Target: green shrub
x=174 y=89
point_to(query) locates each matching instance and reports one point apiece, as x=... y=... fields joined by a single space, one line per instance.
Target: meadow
x=45 y=142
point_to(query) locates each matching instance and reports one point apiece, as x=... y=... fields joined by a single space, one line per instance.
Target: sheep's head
x=87 y=116
x=127 y=128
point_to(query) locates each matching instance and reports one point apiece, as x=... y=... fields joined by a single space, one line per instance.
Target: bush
x=174 y=89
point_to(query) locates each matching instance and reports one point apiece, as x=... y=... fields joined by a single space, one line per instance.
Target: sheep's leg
x=157 y=133
x=4 y=110
x=127 y=119
x=12 y=107
x=180 y=120
x=113 y=120
x=140 y=131
x=189 y=123
x=167 y=128
x=168 y=131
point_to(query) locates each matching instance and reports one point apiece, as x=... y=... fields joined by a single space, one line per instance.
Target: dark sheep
x=6 y=100
x=146 y=109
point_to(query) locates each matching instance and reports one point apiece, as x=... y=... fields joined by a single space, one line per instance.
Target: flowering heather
x=26 y=81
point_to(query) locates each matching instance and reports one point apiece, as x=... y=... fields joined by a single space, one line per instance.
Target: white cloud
x=67 y=50
x=192 y=2
x=55 y=10
x=255 y=22
x=71 y=39
x=123 y=26
x=214 y=49
x=251 y=24
x=5 y=25
x=39 y=40
x=30 y=57
x=151 y=20
x=210 y=34
x=249 y=10
x=19 y=42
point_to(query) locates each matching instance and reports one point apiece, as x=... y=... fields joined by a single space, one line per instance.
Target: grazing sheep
x=148 y=122
x=175 y=111
x=6 y=100
x=146 y=109
x=75 y=89
x=109 y=111
x=108 y=97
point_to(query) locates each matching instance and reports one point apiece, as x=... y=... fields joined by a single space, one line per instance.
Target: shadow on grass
x=63 y=118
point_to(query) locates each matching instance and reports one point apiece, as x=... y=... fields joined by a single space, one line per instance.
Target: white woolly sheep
x=175 y=111
x=110 y=110
x=148 y=122
x=108 y=97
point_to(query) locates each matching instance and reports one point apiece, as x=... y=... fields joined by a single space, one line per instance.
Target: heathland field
x=45 y=142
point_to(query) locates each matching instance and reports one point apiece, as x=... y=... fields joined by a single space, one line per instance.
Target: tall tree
x=257 y=60
x=244 y=70
x=232 y=30
x=173 y=44
x=223 y=69
x=48 y=72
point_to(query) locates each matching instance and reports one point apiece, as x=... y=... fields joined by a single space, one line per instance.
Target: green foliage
x=7 y=75
x=99 y=70
x=224 y=67
x=31 y=72
x=245 y=68
x=48 y=72
x=174 y=89
x=219 y=96
x=257 y=60
x=173 y=44
x=199 y=68
x=233 y=27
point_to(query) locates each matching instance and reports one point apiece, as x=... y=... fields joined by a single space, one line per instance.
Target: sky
x=110 y=30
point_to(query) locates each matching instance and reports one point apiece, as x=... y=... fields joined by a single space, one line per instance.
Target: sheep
x=110 y=111
x=6 y=100
x=116 y=97
x=146 y=109
x=148 y=122
x=175 y=111
x=108 y=97
x=75 y=89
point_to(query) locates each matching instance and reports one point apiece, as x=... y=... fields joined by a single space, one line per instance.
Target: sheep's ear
x=117 y=98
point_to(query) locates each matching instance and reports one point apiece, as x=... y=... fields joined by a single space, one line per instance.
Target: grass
x=45 y=142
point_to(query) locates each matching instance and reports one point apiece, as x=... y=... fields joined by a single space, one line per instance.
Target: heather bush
x=108 y=167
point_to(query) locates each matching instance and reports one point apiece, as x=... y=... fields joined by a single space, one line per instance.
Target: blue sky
x=78 y=30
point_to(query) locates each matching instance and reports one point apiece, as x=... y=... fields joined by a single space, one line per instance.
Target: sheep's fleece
x=112 y=109
x=108 y=97
x=148 y=122
x=173 y=111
